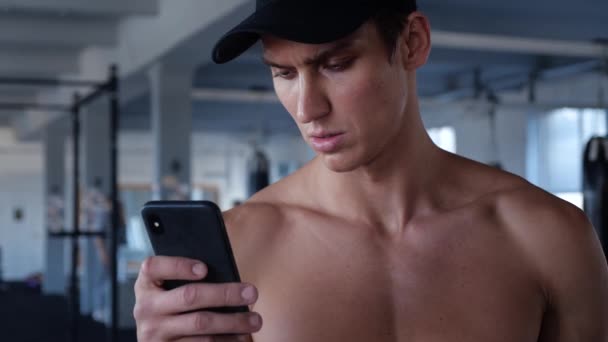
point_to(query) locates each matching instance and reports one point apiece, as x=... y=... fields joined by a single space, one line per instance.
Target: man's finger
x=158 y=269
x=197 y=339
x=220 y=338
x=201 y=296
x=203 y=323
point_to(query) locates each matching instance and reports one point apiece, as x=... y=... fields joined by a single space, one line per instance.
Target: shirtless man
x=383 y=236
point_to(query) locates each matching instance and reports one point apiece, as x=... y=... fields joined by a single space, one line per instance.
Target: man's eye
x=340 y=66
x=285 y=73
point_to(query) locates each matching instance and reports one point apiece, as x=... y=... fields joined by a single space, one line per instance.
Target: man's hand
x=168 y=315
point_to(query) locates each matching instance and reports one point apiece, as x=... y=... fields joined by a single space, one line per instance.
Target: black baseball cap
x=304 y=21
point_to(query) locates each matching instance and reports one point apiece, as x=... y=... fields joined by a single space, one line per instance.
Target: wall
x=218 y=160
x=507 y=145
x=21 y=187
x=474 y=133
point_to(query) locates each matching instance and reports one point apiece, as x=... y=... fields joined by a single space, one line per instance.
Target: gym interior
x=105 y=105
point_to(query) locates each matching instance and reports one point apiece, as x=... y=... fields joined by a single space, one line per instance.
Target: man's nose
x=313 y=103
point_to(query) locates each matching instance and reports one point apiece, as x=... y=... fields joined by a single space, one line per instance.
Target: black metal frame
x=111 y=88
x=489 y=88
x=605 y=70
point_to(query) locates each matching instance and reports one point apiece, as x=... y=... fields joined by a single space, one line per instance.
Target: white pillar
x=55 y=276
x=171 y=87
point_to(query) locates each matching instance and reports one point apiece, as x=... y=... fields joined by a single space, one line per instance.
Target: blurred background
x=521 y=85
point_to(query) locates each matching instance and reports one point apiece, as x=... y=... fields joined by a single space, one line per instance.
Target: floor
x=27 y=316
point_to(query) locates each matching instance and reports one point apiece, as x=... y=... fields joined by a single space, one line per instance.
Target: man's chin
x=338 y=163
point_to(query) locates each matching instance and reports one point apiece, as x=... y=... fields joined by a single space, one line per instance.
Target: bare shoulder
x=518 y=202
x=258 y=226
x=528 y=212
x=526 y=205
x=255 y=219
x=268 y=209
x=540 y=217
x=543 y=224
x=561 y=245
x=253 y=229
x=555 y=237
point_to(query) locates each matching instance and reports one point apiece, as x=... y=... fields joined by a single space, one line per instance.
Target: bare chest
x=438 y=283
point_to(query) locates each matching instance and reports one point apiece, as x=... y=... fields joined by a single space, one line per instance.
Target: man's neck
x=389 y=191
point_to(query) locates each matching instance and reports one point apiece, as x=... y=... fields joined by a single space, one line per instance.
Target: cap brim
x=301 y=21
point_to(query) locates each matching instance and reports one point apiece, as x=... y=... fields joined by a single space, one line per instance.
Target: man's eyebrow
x=324 y=55
x=319 y=58
x=273 y=64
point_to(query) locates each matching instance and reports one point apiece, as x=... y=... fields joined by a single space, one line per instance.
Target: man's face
x=348 y=97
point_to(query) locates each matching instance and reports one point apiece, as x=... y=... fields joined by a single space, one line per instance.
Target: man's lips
x=326 y=142
x=324 y=135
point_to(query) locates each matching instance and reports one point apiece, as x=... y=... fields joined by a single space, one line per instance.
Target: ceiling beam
x=144 y=41
x=102 y=8
x=532 y=46
x=16 y=94
x=37 y=62
x=269 y=97
x=47 y=30
x=234 y=95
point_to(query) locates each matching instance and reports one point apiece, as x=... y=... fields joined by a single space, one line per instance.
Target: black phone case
x=195 y=230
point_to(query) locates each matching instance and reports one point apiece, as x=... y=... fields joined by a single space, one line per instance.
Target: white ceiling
x=495 y=44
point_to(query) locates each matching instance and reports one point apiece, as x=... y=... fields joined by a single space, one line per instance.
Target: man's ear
x=415 y=41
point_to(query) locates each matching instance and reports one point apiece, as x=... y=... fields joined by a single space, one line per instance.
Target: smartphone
x=195 y=230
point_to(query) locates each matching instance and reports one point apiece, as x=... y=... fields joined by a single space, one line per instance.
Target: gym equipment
x=109 y=87
x=55 y=211
x=259 y=168
x=595 y=186
x=1 y=279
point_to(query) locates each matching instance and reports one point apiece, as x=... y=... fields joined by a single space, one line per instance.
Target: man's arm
x=565 y=251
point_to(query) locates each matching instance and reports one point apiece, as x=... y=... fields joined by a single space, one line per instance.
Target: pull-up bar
x=111 y=88
x=46 y=107
x=99 y=88
x=41 y=82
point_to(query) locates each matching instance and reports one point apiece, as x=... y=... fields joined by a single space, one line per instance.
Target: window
x=133 y=197
x=205 y=192
x=575 y=198
x=557 y=141
x=444 y=137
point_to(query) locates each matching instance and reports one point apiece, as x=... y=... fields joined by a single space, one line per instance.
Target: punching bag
x=1 y=275
x=595 y=186
x=258 y=169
